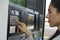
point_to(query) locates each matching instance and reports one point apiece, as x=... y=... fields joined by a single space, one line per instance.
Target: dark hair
x=56 y=4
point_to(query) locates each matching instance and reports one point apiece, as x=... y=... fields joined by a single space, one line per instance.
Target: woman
x=54 y=17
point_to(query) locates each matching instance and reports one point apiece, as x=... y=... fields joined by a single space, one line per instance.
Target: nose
x=47 y=15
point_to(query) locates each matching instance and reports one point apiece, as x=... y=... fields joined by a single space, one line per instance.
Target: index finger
x=16 y=19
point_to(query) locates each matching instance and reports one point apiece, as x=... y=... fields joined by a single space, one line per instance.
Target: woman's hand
x=22 y=27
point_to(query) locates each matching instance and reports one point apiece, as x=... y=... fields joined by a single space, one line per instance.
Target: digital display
x=12 y=21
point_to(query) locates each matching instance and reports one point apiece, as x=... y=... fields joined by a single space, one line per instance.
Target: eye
x=49 y=11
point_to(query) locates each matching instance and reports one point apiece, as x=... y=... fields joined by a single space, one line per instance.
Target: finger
x=15 y=18
x=17 y=30
x=19 y=27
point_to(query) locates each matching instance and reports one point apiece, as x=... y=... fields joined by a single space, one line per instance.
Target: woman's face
x=53 y=16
